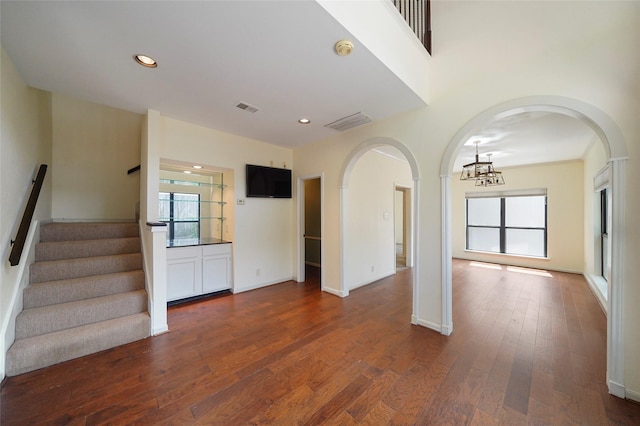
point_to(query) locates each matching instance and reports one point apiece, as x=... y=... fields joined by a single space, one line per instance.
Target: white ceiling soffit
x=528 y=138
x=212 y=55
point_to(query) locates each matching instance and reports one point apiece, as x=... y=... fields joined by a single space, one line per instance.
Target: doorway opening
x=402 y=223
x=613 y=142
x=310 y=200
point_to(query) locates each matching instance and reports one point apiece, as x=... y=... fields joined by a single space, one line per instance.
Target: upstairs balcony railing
x=417 y=13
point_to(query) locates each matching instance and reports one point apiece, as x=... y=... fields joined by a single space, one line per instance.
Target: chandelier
x=482 y=171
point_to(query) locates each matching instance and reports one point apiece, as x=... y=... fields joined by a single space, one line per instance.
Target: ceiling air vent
x=247 y=107
x=349 y=122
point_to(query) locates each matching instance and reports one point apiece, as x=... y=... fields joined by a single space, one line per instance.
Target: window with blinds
x=512 y=222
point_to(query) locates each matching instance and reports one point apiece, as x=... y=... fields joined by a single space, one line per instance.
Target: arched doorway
x=614 y=145
x=345 y=176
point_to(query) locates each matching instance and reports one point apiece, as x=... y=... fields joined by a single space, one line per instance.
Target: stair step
x=58 y=250
x=54 y=270
x=74 y=231
x=62 y=291
x=48 y=319
x=48 y=349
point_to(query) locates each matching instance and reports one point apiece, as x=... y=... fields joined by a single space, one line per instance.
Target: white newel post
x=158 y=277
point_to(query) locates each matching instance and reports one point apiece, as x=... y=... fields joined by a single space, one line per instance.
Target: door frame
x=300 y=273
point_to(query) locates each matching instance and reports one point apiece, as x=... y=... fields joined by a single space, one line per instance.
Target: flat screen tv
x=268 y=182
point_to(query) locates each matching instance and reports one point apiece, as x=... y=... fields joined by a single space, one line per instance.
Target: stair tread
x=75 y=289
x=50 y=318
x=36 y=352
x=88 y=278
x=51 y=270
x=81 y=231
x=85 y=259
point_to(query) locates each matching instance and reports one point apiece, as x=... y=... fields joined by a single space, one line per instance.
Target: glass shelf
x=219 y=203
x=191 y=183
x=190 y=219
x=193 y=206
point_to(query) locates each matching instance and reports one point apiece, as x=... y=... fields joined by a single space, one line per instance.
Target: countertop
x=188 y=242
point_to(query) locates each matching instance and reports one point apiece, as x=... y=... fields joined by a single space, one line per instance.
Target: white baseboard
x=372 y=280
x=333 y=291
x=236 y=290
x=617 y=389
x=429 y=324
x=596 y=291
x=447 y=329
x=160 y=330
x=632 y=395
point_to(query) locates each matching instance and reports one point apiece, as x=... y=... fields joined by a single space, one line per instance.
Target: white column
x=615 y=329
x=344 y=288
x=415 y=243
x=447 y=303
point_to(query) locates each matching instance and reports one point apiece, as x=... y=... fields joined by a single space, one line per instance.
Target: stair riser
x=80 y=249
x=49 y=319
x=49 y=293
x=87 y=231
x=76 y=268
x=42 y=351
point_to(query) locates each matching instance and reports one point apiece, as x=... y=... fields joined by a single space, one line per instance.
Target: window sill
x=512 y=256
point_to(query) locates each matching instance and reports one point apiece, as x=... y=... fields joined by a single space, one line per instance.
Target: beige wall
x=565 y=213
x=25 y=144
x=370 y=224
x=263 y=228
x=93 y=147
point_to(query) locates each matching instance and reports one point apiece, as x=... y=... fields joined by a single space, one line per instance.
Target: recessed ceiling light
x=304 y=121
x=197 y=167
x=146 y=61
x=188 y=172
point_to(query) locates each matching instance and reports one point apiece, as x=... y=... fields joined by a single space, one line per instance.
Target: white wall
x=370 y=221
x=93 y=147
x=565 y=212
x=263 y=228
x=581 y=50
x=25 y=144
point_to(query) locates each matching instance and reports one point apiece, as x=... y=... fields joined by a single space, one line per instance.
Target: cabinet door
x=184 y=273
x=216 y=273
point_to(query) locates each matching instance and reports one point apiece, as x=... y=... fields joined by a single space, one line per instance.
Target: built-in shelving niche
x=197 y=205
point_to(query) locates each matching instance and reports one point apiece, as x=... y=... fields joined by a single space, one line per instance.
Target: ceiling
x=528 y=138
x=277 y=56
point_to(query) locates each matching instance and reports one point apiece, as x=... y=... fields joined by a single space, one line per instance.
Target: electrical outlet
x=240 y=201
x=373 y=268
x=258 y=272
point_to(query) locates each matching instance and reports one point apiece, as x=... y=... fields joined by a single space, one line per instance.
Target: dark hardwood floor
x=526 y=349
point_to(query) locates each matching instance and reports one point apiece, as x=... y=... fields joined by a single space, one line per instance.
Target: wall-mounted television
x=268 y=182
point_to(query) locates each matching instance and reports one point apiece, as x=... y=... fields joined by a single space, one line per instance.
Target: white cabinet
x=197 y=270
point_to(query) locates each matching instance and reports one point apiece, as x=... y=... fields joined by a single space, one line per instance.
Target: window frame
x=503 y=228
x=171 y=222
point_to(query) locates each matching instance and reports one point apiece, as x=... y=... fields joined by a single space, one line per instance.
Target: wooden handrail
x=23 y=230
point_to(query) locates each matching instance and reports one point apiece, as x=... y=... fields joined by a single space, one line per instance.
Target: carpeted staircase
x=86 y=294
